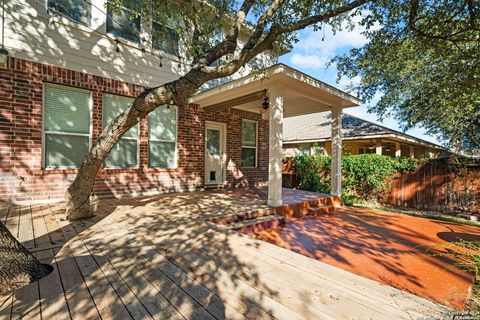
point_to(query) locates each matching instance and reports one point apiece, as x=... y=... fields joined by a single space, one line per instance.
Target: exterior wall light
x=265 y=103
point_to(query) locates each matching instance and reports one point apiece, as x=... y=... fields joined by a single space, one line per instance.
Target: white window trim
x=162 y=140
x=128 y=138
x=163 y=51
x=102 y=30
x=87 y=3
x=131 y=42
x=45 y=132
x=250 y=147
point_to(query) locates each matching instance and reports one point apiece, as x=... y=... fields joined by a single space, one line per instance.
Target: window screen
x=125 y=153
x=249 y=143
x=164 y=38
x=125 y=22
x=78 y=10
x=66 y=126
x=162 y=137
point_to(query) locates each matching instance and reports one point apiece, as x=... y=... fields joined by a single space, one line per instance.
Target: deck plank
x=25 y=228
x=103 y=298
x=153 y=300
x=4 y=209
x=53 y=303
x=12 y=222
x=106 y=299
x=286 y=282
x=231 y=289
x=26 y=304
x=174 y=277
x=134 y=306
x=245 y=298
x=40 y=231
x=6 y=306
x=78 y=297
x=177 y=285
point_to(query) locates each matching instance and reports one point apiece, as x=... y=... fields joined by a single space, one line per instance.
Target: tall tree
x=424 y=60
x=271 y=28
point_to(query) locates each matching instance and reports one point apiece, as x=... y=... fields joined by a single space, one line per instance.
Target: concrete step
x=258 y=224
x=320 y=210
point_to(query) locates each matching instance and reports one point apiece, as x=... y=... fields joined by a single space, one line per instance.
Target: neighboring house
x=302 y=133
x=72 y=66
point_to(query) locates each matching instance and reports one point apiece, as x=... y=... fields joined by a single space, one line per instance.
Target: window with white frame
x=125 y=22
x=162 y=137
x=249 y=143
x=164 y=38
x=77 y=10
x=125 y=153
x=66 y=126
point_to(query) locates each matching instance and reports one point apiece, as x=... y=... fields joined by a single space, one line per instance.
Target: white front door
x=215 y=153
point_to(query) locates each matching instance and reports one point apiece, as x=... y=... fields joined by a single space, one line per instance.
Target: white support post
x=275 y=122
x=411 y=152
x=336 y=151
x=378 y=147
x=398 y=150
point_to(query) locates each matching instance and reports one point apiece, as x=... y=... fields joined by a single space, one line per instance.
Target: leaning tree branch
x=262 y=22
x=229 y=44
x=267 y=42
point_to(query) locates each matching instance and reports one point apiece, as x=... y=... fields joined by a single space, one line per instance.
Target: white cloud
x=308 y=61
x=346 y=82
x=327 y=41
x=324 y=44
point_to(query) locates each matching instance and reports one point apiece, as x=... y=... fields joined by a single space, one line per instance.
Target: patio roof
x=302 y=93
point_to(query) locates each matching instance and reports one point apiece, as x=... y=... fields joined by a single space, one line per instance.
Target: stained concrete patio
x=408 y=253
x=158 y=257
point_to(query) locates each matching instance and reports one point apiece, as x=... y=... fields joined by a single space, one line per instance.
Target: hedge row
x=364 y=176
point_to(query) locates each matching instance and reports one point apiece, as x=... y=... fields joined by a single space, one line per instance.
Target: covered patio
x=285 y=92
x=158 y=257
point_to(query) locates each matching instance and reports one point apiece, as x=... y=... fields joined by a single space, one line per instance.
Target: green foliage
x=350 y=199
x=313 y=172
x=426 y=64
x=364 y=176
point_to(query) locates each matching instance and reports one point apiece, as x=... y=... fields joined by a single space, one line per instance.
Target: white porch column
x=275 y=123
x=378 y=147
x=398 y=150
x=336 y=151
x=411 y=152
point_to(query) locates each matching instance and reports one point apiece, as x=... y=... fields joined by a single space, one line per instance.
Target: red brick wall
x=23 y=179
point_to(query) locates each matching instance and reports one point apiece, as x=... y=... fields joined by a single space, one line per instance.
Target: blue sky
x=316 y=48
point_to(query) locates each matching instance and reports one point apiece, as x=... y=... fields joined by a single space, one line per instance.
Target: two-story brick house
x=71 y=66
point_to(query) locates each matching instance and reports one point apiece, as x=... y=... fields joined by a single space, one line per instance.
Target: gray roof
x=317 y=126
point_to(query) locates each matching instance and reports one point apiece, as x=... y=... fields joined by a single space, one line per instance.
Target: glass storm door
x=215 y=157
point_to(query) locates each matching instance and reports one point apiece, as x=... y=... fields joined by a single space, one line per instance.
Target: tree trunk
x=18 y=267
x=77 y=196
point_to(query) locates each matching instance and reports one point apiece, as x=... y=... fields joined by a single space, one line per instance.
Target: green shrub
x=364 y=176
x=313 y=172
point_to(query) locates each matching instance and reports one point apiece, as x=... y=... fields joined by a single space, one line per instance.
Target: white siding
x=30 y=34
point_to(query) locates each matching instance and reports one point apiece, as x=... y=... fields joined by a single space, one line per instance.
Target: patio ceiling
x=302 y=94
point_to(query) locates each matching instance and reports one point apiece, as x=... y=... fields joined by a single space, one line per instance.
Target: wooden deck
x=158 y=258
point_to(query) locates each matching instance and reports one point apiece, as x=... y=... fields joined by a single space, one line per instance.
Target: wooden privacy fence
x=437 y=186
